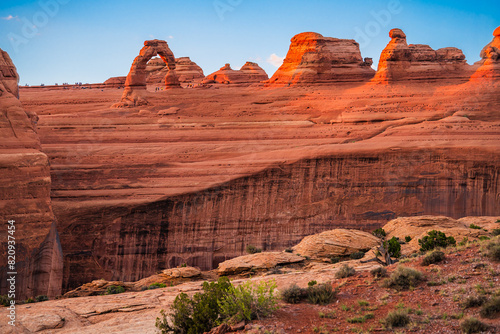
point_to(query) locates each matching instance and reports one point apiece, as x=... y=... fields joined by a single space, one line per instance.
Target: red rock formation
x=135 y=83
x=313 y=58
x=25 y=197
x=489 y=65
x=115 y=82
x=400 y=61
x=248 y=74
x=187 y=71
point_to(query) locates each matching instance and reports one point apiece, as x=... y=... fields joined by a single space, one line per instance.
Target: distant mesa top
x=250 y=73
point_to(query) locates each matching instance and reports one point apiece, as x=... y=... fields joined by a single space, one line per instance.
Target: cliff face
x=313 y=58
x=275 y=209
x=247 y=74
x=25 y=197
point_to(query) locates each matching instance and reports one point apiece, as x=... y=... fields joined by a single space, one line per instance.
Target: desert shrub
x=434 y=257
x=321 y=294
x=248 y=301
x=251 y=249
x=474 y=227
x=491 y=308
x=397 y=318
x=403 y=278
x=435 y=239
x=407 y=238
x=41 y=298
x=496 y=232
x=5 y=300
x=345 y=271
x=483 y=237
x=157 y=286
x=219 y=302
x=492 y=249
x=289 y=250
x=360 y=319
x=334 y=259
x=379 y=233
x=29 y=300
x=293 y=294
x=472 y=325
x=114 y=289
x=357 y=255
x=378 y=272
x=394 y=247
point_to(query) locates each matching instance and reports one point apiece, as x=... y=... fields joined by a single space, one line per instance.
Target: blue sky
x=89 y=41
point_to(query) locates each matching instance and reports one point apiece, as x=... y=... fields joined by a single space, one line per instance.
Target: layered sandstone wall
x=275 y=209
x=248 y=74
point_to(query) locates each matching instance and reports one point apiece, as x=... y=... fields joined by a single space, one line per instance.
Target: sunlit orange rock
x=247 y=74
x=187 y=70
x=313 y=58
x=400 y=61
x=489 y=65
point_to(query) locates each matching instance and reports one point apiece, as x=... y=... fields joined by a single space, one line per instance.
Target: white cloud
x=10 y=17
x=275 y=60
x=171 y=37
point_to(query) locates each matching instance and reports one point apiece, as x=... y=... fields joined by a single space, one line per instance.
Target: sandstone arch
x=135 y=83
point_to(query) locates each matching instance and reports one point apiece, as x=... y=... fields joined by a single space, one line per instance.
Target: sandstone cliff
x=313 y=58
x=25 y=196
x=187 y=70
x=489 y=65
x=400 y=61
x=247 y=74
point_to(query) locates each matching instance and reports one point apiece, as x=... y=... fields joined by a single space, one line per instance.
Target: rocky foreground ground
x=435 y=305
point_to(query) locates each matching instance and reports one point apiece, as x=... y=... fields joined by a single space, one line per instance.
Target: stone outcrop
x=489 y=65
x=313 y=58
x=248 y=74
x=115 y=82
x=187 y=70
x=338 y=242
x=257 y=261
x=400 y=61
x=135 y=83
x=25 y=197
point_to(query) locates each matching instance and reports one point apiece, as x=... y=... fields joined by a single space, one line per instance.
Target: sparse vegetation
x=394 y=247
x=328 y=315
x=397 y=318
x=434 y=257
x=345 y=271
x=321 y=294
x=114 y=289
x=379 y=233
x=491 y=308
x=435 y=239
x=157 y=286
x=4 y=300
x=360 y=319
x=495 y=232
x=335 y=259
x=403 y=278
x=474 y=227
x=41 y=298
x=407 y=238
x=379 y=272
x=473 y=301
x=251 y=249
x=492 y=249
x=357 y=255
x=293 y=294
x=473 y=325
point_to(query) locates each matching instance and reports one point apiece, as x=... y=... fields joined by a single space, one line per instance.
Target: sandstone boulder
x=183 y=272
x=313 y=58
x=338 y=242
x=248 y=74
x=264 y=260
x=400 y=61
x=115 y=82
x=135 y=83
x=489 y=65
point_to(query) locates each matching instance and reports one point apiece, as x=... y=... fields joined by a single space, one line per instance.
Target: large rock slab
x=338 y=242
x=313 y=58
x=264 y=260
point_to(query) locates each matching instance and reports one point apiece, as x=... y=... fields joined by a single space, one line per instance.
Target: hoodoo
x=135 y=84
x=400 y=61
x=489 y=65
x=313 y=58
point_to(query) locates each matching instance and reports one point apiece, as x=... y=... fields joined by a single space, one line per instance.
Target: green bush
x=434 y=257
x=357 y=255
x=394 y=247
x=289 y=250
x=29 y=300
x=335 y=259
x=407 y=238
x=114 y=289
x=360 y=319
x=496 y=232
x=5 y=300
x=472 y=325
x=321 y=294
x=157 y=286
x=219 y=302
x=397 y=318
x=251 y=249
x=474 y=227
x=379 y=233
x=492 y=249
x=378 y=272
x=345 y=271
x=293 y=294
x=41 y=298
x=403 y=278
x=491 y=308
x=435 y=239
